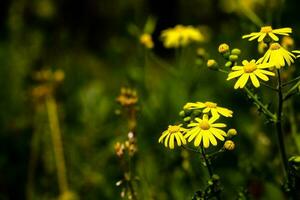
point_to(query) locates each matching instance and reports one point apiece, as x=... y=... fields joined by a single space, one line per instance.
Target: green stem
x=279 y=126
x=209 y=169
x=291 y=81
x=57 y=144
x=263 y=107
x=291 y=92
x=280 y=136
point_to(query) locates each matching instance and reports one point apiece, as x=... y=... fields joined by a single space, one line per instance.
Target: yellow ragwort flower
x=278 y=56
x=250 y=69
x=172 y=134
x=268 y=31
x=146 y=40
x=180 y=36
x=209 y=107
x=205 y=130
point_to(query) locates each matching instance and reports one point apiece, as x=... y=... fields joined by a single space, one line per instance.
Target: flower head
x=146 y=40
x=278 y=56
x=172 y=134
x=250 y=69
x=209 y=107
x=205 y=130
x=180 y=36
x=268 y=31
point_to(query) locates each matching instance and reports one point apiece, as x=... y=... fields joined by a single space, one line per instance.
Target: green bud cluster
x=231 y=56
x=189 y=115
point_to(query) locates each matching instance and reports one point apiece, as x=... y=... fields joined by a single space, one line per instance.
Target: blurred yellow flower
x=268 y=31
x=171 y=134
x=146 y=40
x=250 y=69
x=278 y=56
x=205 y=130
x=181 y=36
x=208 y=106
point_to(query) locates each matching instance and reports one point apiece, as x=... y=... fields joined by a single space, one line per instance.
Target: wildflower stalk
x=57 y=143
x=280 y=134
x=262 y=106
x=210 y=172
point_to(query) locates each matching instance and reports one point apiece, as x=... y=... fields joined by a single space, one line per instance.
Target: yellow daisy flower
x=210 y=107
x=180 y=36
x=205 y=130
x=171 y=134
x=250 y=69
x=278 y=56
x=268 y=31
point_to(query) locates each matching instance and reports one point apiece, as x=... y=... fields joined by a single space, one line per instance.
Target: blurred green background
x=92 y=42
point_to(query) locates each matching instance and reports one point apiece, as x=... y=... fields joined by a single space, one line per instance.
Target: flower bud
x=231 y=132
x=229 y=145
x=181 y=113
x=233 y=58
x=212 y=64
x=235 y=51
x=187 y=119
x=228 y=64
x=223 y=48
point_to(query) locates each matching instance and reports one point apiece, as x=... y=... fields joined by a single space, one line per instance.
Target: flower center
x=250 y=67
x=266 y=29
x=173 y=129
x=210 y=104
x=275 y=46
x=204 y=125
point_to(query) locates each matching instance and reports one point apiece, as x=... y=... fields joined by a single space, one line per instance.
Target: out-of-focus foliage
x=94 y=43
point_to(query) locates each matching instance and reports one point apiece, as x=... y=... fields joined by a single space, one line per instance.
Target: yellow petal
x=171 y=144
x=244 y=78
x=254 y=80
x=261 y=75
x=273 y=36
x=198 y=140
x=205 y=139
x=217 y=135
x=178 y=138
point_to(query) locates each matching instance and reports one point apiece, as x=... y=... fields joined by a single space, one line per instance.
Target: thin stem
x=190 y=149
x=268 y=86
x=291 y=81
x=207 y=162
x=279 y=127
x=57 y=144
x=291 y=92
x=223 y=71
x=209 y=169
x=263 y=107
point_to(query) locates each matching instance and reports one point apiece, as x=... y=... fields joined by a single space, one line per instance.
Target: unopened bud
x=235 y=51
x=223 y=48
x=181 y=113
x=228 y=64
x=187 y=119
x=233 y=58
x=231 y=132
x=229 y=145
x=211 y=63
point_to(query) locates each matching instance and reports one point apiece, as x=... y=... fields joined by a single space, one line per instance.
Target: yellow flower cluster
x=276 y=54
x=181 y=36
x=203 y=130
